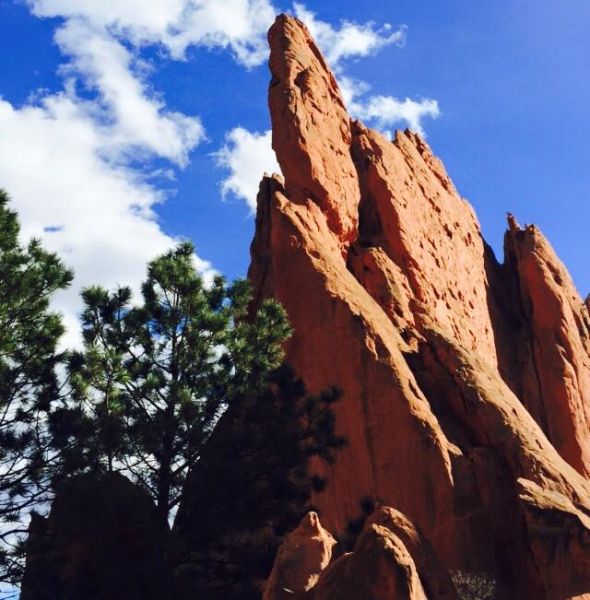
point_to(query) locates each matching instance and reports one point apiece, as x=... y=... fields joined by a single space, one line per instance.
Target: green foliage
x=152 y=380
x=347 y=539
x=29 y=333
x=252 y=486
x=188 y=381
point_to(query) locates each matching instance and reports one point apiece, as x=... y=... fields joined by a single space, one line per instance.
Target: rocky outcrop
x=379 y=568
x=302 y=557
x=103 y=540
x=552 y=374
x=391 y=559
x=435 y=579
x=465 y=381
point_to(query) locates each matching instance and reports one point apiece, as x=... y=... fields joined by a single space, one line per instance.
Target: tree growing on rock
x=253 y=486
x=153 y=379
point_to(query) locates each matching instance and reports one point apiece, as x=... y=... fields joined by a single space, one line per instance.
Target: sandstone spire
x=552 y=344
x=464 y=381
x=311 y=128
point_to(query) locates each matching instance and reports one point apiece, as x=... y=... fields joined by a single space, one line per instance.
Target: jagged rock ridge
x=466 y=383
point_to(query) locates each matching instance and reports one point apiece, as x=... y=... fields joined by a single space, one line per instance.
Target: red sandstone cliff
x=466 y=383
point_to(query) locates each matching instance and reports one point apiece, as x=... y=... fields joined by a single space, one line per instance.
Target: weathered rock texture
x=466 y=383
x=301 y=558
x=553 y=372
x=390 y=560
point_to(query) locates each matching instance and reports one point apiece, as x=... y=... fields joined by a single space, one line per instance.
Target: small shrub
x=475 y=586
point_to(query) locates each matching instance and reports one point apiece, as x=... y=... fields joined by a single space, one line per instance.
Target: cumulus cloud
x=247 y=155
x=237 y=25
x=137 y=119
x=97 y=215
x=386 y=111
x=350 y=39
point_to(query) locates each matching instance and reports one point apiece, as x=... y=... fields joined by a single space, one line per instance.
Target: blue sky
x=125 y=124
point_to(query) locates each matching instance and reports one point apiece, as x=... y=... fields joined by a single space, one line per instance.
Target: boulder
x=102 y=540
x=302 y=557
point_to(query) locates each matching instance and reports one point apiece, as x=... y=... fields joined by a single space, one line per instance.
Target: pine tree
x=153 y=379
x=252 y=486
x=88 y=427
x=29 y=334
x=186 y=394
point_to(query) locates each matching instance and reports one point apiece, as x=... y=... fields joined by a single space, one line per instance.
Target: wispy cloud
x=349 y=40
x=135 y=117
x=237 y=25
x=385 y=112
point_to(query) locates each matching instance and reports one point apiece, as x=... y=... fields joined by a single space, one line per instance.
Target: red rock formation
x=312 y=129
x=304 y=554
x=391 y=559
x=380 y=568
x=553 y=375
x=411 y=211
x=434 y=577
x=465 y=383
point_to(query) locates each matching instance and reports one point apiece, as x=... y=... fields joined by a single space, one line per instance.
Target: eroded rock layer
x=466 y=383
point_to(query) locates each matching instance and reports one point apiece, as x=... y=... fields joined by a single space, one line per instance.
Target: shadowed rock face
x=103 y=540
x=466 y=383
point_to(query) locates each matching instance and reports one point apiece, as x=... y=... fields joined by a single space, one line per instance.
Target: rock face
x=552 y=377
x=312 y=128
x=466 y=383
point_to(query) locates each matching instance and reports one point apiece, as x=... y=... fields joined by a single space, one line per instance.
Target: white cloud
x=352 y=89
x=71 y=200
x=96 y=215
x=237 y=25
x=138 y=120
x=383 y=112
x=386 y=111
x=247 y=156
x=351 y=39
